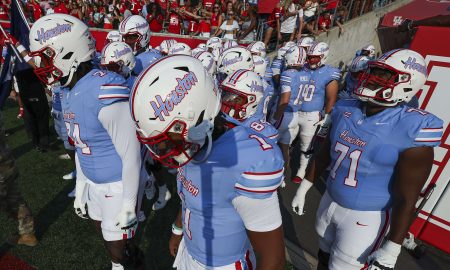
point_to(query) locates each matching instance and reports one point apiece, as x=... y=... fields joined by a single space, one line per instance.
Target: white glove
x=78 y=204
x=323 y=124
x=385 y=257
x=126 y=219
x=299 y=199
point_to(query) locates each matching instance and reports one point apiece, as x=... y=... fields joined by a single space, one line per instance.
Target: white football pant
x=307 y=130
x=349 y=236
x=287 y=128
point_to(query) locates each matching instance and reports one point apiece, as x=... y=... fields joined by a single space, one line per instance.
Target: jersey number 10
x=306 y=91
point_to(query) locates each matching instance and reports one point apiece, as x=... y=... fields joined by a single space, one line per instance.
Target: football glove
x=299 y=199
x=78 y=204
x=323 y=125
x=385 y=257
x=127 y=219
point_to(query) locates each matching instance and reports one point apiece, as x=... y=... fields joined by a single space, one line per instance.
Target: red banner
x=433 y=222
x=416 y=10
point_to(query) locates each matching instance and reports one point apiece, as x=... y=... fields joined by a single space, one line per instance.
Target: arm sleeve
x=430 y=131
x=116 y=119
x=259 y=215
x=261 y=179
x=335 y=74
x=285 y=82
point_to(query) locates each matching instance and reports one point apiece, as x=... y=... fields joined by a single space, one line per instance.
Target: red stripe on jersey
x=257 y=191
x=238 y=265
x=265 y=173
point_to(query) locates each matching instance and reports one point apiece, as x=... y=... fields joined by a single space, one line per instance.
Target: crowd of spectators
x=230 y=19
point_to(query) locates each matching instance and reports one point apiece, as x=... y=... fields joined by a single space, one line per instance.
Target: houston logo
x=164 y=107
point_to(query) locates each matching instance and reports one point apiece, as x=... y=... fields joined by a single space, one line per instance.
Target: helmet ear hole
x=68 y=56
x=200 y=118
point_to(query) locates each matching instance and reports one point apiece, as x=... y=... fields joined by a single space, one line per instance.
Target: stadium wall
x=358 y=32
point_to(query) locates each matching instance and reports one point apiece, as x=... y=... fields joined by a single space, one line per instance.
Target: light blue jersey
x=291 y=81
x=350 y=85
x=365 y=151
x=145 y=59
x=130 y=81
x=241 y=163
x=56 y=98
x=257 y=124
x=98 y=158
x=313 y=91
x=264 y=105
x=277 y=66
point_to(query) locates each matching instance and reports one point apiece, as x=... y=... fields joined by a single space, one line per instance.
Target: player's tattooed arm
x=412 y=170
x=332 y=90
x=175 y=239
x=269 y=247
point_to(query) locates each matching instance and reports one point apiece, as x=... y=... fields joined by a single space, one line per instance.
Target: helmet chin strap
x=197 y=135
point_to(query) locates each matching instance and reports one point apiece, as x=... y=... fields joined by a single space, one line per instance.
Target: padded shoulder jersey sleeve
x=276 y=67
x=334 y=74
x=285 y=81
x=113 y=89
x=430 y=131
x=264 y=176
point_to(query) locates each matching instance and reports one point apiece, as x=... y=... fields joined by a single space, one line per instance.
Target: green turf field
x=67 y=241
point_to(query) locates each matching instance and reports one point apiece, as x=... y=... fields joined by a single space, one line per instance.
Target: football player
x=165 y=45
x=119 y=58
x=227 y=177
x=136 y=33
x=380 y=152
x=180 y=48
x=355 y=70
x=112 y=36
x=285 y=116
x=317 y=93
x=243 y=100
x=97 y=116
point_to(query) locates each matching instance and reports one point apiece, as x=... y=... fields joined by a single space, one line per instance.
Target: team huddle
x=226 y=117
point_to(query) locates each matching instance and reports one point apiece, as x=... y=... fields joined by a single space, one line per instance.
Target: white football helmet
x=318 y=54
x=213 y=43
x=135 y=32
x=112 y=36
x=229 y=44
x=368 y=51
x=305 y=42
x=281 y=52
x=217 y=52
x=174 y=102
x=59 y=43
x=358 y=64
x=295 y=57
x=180 y=48
x=393 y=78
x=260 y=65
x=242 y=91
x=257 y=48
x=233 y=59
x=208 y=61
x=166 y=44
x=197 y=50
x=202 y=46
x=289 y=44
x=118 y=57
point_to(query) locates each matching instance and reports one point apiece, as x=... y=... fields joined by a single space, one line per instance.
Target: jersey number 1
x=354 y=156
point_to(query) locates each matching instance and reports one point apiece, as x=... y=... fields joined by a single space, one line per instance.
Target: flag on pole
x=20 y=30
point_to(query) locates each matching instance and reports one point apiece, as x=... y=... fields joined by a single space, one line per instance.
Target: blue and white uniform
x=145 y=59
x=288 y=124
x=97 y=115
x=353 y=215
x=257 y=124
x=226 y=195
x=58 y=119
x=313 y=84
